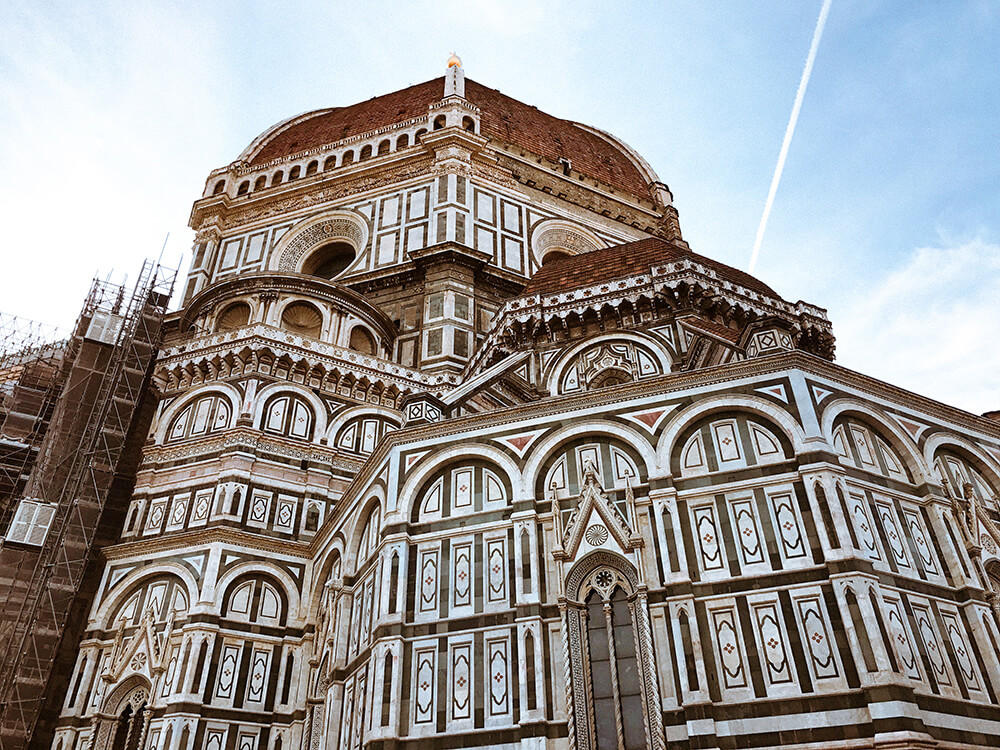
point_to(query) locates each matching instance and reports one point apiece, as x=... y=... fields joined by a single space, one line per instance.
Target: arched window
x=236 y=315
x=294 y=173
x=366 y=152
x=383 y=147
x=461 y=490
x=963 y=478
x=260 y=183
x=244 y=188
x=330 y=163
x=312 y=168
x=419 y=134
x=277 y=178
x=303 y=319
x=439 y=122
x=361 y=434
x=219 y=187
x=861 y=446
x=403 y=141
x=165 y=597
x=255 y=600
x=362 y=341
x=329 y=260
x=369 y=536
x=728 y=441
x=289 y=415
x=469 y=124
x=603 y=619
x=348 y=158
x=208 y=414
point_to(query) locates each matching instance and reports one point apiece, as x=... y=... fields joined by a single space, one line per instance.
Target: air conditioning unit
x=104 y=327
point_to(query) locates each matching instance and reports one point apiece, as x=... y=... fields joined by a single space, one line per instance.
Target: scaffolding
x=88 y=390
x=31 y=357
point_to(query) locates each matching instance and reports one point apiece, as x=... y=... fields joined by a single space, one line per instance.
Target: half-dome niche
x=330 y=260
x=303 y=319
x=235 y=316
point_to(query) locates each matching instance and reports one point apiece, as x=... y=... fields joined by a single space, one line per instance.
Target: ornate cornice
x=665 y=385
x=186 y=541
x=202 y=359
x=249 y=439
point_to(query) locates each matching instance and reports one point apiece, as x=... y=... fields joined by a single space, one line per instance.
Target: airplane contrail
x=789 y=131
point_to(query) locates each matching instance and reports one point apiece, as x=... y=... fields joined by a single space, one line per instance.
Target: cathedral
x=455 y=442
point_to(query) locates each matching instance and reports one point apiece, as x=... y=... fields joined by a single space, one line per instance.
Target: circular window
x=235 y=316
x=303 y=319
x=329 y=261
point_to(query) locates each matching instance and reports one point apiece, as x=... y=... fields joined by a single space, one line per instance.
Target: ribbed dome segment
x=504 y=119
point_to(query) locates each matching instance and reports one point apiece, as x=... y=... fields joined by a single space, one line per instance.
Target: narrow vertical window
x=529 y=670
x=824 y=512
x=525 y=563
x=859 y=628
x=882 y=630
x=692 y=670
x=393 y=582
x=605 y=721
x=287 y=686
x=386 y=689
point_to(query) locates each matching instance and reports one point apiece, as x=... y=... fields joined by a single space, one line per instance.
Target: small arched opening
x=303 y=319
x=260 y=183
x=277 y=178
x=219 y=187
x=312 y=168
x=403 y=141
x=244 y=188
x=294 y=173
x=469 y=124
x=330 y=163
x=235 y=316
x=366 y=153
x=439 y=122
x=362 y=341
x=330 y=260
x=383 y=147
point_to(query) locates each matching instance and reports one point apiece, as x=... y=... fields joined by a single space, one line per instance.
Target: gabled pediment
x=597 y=521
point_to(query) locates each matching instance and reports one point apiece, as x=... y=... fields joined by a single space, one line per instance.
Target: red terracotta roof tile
x=630 y=259
x=503 y=118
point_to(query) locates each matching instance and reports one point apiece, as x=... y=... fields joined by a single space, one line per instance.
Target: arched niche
x=332 y=229
x=586 y=365
x=554 y=238
x=903 y=445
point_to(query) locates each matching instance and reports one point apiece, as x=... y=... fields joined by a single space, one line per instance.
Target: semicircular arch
x=314 y=232
x=541 y=452
x=444 y=458
x=167 y=417
x=728 y=402
x=659 y=348
x=898 y=439
x=289 y=587
x=126 y=585
x=273 y=389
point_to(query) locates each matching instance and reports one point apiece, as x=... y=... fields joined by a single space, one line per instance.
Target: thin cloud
x=931 y=326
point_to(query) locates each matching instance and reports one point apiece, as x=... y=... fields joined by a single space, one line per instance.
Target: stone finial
x=454 y=78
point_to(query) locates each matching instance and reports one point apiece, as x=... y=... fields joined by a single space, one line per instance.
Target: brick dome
x=591 y=152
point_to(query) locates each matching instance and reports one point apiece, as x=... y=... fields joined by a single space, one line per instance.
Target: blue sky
x=112 y=115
